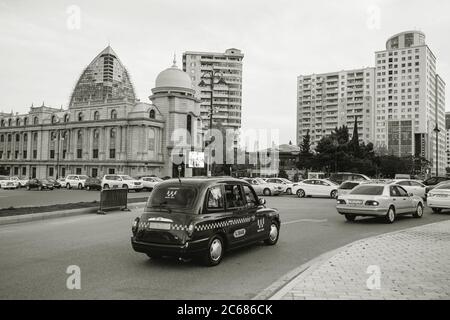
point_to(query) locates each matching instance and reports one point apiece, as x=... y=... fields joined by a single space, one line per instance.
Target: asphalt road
x=34 y=256
x=34 y=198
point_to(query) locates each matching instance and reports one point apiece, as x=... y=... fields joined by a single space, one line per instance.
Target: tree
x=306 y=156
x=282 y=174
x=354 y=146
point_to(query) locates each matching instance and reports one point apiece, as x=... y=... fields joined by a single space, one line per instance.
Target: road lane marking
x=304 y=220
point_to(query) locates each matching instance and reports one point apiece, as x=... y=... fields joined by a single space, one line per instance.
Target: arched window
x=96 y=115
x=151 y=140
x=25 y=138
x=2 y=138
x=96 y=134
x=80 y=116
x=2 y=123
x=25 y=121
x=53 y=136
x=9 y=138
x=17 y=122
x=113 y=133
x=36 y=120
x=152 y=114
x=66 y=118
x=17 y=137
x=54 y=119
x=9 y=122
x=113 y=114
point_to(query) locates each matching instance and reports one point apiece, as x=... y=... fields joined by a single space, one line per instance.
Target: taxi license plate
x=441 y=195
x=354 y=203
x=159 y=225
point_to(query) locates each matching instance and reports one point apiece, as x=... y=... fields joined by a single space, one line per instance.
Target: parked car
x=21 y=182
x=75 y=180
x=379 y=200
x=202 y=218
x=55 y=183
x=439 y=197
x=401 y=176
x=93 y=184
x=62 y=182
x=345 y=176
x=150 y=182
x=111 y=181
x=40 y=184
x=347 y=186
x=316 y=187
x=284 y=183
x=262 y=187
x=412 y=186
x=435 y=180
x=8 y=183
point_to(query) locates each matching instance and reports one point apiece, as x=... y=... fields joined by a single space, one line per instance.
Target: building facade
x=410 y=100
x=227 y=96
x=104 y=129
x=329 y=100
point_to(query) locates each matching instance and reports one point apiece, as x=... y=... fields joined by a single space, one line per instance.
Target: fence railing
x=113 y=199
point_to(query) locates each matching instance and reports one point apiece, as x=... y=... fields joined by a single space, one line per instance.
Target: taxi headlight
x=135 y=225
x=191 y=229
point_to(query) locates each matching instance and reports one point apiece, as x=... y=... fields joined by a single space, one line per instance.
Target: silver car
x=379 y=200
x=262 y=187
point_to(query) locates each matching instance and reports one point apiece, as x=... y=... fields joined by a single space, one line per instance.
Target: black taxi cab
x=202 y=218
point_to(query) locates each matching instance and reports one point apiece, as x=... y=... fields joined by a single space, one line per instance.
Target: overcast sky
x=43 y=52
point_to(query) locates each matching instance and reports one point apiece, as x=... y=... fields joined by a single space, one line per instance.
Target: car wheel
x=390 y=215
x=106 y=186
x=436 y=210
x=419 y=211
x=289 y=191
x=273 y=234
x=300 y=193
x=214 y=254
x=28 y=188
x=267 y=192
x=80 y=186
x=88 y=188
x=350 y=217
x=333 y=194
x=68 y=186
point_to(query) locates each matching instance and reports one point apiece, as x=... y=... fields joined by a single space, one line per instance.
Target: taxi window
x=172 y=197
x=395 y=192
x=215 y=199
x=250 y=197
x=233 y=195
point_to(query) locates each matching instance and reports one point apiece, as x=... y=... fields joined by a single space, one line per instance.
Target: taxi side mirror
x=411 y=194
x=262 y=201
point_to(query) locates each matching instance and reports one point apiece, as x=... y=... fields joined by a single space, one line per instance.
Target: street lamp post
x=211 y=75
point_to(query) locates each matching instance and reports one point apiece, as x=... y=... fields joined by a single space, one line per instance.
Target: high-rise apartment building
x=330 y=100
x=410 y=100
x=227 y=94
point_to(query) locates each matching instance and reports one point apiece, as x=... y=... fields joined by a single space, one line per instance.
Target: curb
x=282 y=286
x=57 y=214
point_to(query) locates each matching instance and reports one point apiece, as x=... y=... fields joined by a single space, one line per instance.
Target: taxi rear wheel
x=266 y=192
x=390 y=215
x=419 y=211
x=274 y=234
x=289 y=191
x=214 y=253
x=300 y=193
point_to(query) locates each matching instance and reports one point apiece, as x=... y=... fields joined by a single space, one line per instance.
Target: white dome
x=173 y=77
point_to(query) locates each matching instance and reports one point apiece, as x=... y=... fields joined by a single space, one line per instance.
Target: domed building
x=106 y=129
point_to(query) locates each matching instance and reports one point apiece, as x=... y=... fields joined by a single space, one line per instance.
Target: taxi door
x=240 y=218
x=259 y=224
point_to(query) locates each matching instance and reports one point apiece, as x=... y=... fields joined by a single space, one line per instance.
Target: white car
x=262 y=187
x=315 y=187
x=412 y=186
x=62 y=182
x=21 y=182
x=8 y=183
x=75 y=181
x=150 y=182
x=439 y=197
x=113 y=181
x=286 y=184
x=347 y=186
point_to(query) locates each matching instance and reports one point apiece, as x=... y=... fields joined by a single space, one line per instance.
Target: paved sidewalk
x=411 y=264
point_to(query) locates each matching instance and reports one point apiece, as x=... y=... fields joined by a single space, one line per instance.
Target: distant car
x=55 y=183
x=150 y=182
x=315 y=187
x=40 y=184
x=412 y=186
x=262 y=187
x=401 y=176
x=202 y=218
x=62 y=182
x=8 y=183
x=21 y=182
x=439 y=197
x=347 y=186
x=345 y=176
x=435 y=180
x=379 y=200
x=93 y=184
x=111 y=181
x=75 y=181
x=279 y=182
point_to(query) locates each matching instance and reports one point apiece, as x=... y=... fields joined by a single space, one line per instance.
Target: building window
x=25 y=121
x=151 y=140
x=51 y=171
x=17 y=137
x=9 y=122
x=94 y=172
x=54 y=119
x=52 y=154
x=79 y=153
x=16 y=154
x=24 y=171
x=2 y=138
x=36 y=120
x=111 y=171
x=34 y=154
x=78 y=171
x=96 y=115
x=95 y=153
x=66 y=118
x=1 y=154
x=113 y=114
x=152 y=114
x=80 y=116
x=18 y=122
x=25 y=154
x=112 y=153
x=2 y=123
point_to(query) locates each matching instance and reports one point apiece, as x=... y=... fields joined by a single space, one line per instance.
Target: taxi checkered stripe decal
x=205 y=226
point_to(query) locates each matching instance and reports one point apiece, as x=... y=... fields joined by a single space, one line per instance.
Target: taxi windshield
x=172 y=197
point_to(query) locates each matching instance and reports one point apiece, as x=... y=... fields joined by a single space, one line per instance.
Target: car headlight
x=372 y=203
x=135 y=225
x=340 y=201
x=191 y=229
x=430 y=195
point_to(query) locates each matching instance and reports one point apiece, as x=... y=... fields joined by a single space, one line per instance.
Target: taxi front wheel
x=214 y=253
x=274 y=234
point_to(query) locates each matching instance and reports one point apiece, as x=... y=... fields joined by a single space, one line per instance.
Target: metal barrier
x=113 y=199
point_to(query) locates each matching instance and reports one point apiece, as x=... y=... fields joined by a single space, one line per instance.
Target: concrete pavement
x=407 y=264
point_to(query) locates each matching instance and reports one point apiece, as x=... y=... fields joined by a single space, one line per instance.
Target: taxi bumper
x=361 y=211
x=437 y=202
x=190 y=248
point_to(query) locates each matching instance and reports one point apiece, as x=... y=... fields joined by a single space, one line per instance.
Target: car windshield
x=443 y=186
x=126 y=178
x=259 y=180
x=173 y=196
x=368 y=190
x=348 y=185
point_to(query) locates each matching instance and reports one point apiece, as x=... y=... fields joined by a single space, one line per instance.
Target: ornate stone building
x=105 y=129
